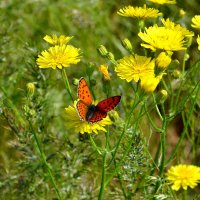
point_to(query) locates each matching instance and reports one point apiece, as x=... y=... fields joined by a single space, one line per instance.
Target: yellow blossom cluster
x=183 y=176
x=60 y=55
x=163 y=40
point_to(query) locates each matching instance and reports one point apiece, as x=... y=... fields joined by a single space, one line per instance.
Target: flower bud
x=104 y=70
x=164 y=94
x=110 y=56
x=102 y=50
x=163 y=60
x=176 y=73
x=182 y=12
x=127 y=44
x=30 y=88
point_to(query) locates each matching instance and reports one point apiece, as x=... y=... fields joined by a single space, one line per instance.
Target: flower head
x=196 y=21
x=104 y=70
x=177 y=27
x=139 y=12
x=73 y=121
x=55 y=40
x=163 y=1
x=183 y=176
x=162 y=38
x=59 y=56
x=134 y=67
x=150 y=82
x=163 y=60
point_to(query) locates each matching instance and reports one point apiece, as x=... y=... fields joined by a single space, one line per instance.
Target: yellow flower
x=134 y=67
x=163 y=1
x=55 y=40
x=139 y=12
x=196 y=21
x=104 y=70
x=59 y=56
x=198 y=42
x=177 y=27
x=183 y=176
x=163 y=60
x=74 y=122
x=150 y=82
x=182 y=12
x=162 y=38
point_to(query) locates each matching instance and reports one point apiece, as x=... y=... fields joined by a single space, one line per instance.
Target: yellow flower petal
x=104 y=70
x=133 y=67
x=196 y=21
x=162 y=38
x=55 y=40
x=163 y=1
x=177 y=27
x=150 y=82
x=198 y=42
x=59 y=56
x=139 y=12
x=163 y=60
x=74 y=122
x=183 y=176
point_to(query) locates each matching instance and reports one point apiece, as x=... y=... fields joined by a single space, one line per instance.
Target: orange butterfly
x=89 y=112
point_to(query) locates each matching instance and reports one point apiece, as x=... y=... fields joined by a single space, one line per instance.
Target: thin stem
x=104 y=165
x=43 y=157
x=125 y=152
x=102 y=176
x=184 y=129
x=163 y=143
x=151 y=121
x=124 y=130
x=65 y=79
x=95 y=146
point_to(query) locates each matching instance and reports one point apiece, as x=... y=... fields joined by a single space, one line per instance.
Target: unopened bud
x=127 y=44
x=176 y=73
x=75 y=81
x=182 y=12
x=104 y=70
x=102 y=50
x=30 y=88
x=164 y=94
x=110 y=56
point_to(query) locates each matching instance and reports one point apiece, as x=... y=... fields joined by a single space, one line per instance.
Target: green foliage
x=40 y=157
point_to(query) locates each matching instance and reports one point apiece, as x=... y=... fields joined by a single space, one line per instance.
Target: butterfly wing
x=82 y=110
x=108 y=104
x=83 y=92
x=97 y=116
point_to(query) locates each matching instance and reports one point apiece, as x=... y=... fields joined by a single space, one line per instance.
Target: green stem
x=184 y=129
x=102 y=176
x=151 y=121
x=163 y=146
x=43 y=157
x=104 y=165
x=65 y=79
x=155 y=161
x=129 y=146
x=157 y=109
x=124 y=130
x=163 y=143
x=95 y=146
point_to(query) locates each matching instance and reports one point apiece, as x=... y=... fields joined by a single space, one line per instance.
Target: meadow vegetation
x=148 y=52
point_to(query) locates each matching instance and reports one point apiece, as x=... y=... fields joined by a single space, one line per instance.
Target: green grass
x=39 y=154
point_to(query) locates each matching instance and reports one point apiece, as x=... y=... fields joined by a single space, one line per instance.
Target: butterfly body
x=90 y=112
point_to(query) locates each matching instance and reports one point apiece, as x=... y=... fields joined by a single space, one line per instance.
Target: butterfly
x=88 y=111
